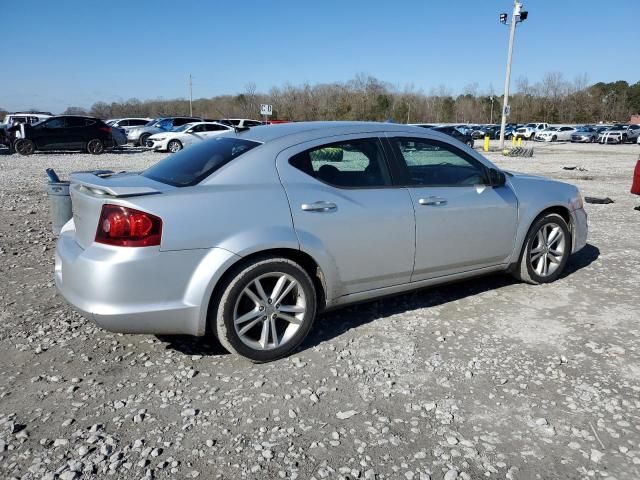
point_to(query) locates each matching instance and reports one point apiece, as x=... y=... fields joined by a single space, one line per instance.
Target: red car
x=635 y=186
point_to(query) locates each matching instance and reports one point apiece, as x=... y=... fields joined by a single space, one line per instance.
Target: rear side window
x=133 y=123
x=192 y=165
x=73 y=122
x=351 y=164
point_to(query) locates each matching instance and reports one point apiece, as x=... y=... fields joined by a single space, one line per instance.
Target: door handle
x=319 y=207
x=432 y=201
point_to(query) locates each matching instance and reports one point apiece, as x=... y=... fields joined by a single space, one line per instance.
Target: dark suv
x=63 y=133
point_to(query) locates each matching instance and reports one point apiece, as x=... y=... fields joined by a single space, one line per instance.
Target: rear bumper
x=580 y=229
x=139 y=290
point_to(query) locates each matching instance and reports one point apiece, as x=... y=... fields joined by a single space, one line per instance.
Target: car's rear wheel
x=24 y=146
x=174 y=146
x=265 y=309
x=143 y=139
x=95 y=146
x=469 y=143
x=546 y=250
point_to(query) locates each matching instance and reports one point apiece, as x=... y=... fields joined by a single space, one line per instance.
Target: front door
x=50 y=134
x=346 y=211
x=462 y=224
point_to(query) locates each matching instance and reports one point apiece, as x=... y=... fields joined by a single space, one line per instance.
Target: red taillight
x=126 y=227
x=104 y=128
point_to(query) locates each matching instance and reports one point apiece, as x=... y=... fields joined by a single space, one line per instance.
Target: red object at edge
x=635 y=187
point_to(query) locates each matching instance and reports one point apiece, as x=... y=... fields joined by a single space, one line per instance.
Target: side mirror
x=497 y=178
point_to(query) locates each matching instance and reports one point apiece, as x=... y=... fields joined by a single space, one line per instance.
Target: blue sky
x=75 y=52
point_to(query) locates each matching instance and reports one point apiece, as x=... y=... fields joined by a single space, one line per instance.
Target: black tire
x=24 y=146
x=525 y=270
x=469 y=143
x=95 y=146
x=174 y=146
x=624 y=138
x=143 y=139
x=221 y=316
x=554 y=138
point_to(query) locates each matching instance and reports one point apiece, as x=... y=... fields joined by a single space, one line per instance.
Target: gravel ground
x=487 y=378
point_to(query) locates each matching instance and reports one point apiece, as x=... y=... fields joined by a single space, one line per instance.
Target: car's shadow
x=334 y=323
x=115 y=151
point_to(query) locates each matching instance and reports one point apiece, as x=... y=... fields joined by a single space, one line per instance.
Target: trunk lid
x=90 y=190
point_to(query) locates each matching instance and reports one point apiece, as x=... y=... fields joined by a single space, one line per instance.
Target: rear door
x=75 y=132
x=462 y=224
x=346 y=210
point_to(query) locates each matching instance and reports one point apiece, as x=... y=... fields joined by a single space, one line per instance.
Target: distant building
x=635 y=119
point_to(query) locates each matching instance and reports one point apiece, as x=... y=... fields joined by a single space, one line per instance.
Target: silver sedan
x=248 y=235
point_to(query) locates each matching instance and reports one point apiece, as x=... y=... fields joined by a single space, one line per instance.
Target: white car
x=242 y=122
x=530 y=130
x=553 y=134
x=185 y=135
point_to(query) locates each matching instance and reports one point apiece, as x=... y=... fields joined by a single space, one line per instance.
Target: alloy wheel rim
x=174 y=147
x=24 y=148
x=548 y=250
x=265 y=321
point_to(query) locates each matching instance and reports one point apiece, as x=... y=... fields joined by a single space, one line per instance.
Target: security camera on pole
x=517 y=16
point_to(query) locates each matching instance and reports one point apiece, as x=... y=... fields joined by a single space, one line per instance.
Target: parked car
x=127 y=123
x=620 y=133
x=481 y=131
x=242 y=122
x=64 y=132
x=186 y=135
x=140 y=135
x=584 y=134
x=554 y=134
x=292 y=227
x=457 y=134
x=530 y=130
x=15 y=118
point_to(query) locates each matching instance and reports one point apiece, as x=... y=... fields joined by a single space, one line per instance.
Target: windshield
x=152 y=123
x=585 y=129
x=192 y=165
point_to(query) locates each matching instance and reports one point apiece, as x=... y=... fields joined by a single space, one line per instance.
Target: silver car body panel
x=366 y=248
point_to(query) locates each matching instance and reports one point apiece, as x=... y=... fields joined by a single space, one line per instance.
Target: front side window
x=192 y=165
x=54 y=123
x=349 y=164
x=214 y=128
x=434 y=163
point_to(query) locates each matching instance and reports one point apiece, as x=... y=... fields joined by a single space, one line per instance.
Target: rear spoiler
x=99 y=185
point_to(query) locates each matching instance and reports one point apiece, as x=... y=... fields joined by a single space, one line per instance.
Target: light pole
x=517 y=16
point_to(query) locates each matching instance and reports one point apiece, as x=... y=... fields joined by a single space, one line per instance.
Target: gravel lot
x=483 y=379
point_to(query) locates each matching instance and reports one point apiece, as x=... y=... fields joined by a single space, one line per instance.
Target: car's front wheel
x=174 y=146
x=546 y=250
x=265 y=309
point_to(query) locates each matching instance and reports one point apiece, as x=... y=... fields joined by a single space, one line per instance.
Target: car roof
x=307 y=131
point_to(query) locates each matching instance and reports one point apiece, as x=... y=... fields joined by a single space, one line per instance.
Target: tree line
x=552 y=100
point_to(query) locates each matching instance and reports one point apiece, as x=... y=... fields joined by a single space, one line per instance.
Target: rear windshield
x=192 y=165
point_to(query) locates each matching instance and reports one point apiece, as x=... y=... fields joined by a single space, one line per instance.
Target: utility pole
x=190 y=95
x=517 y=16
